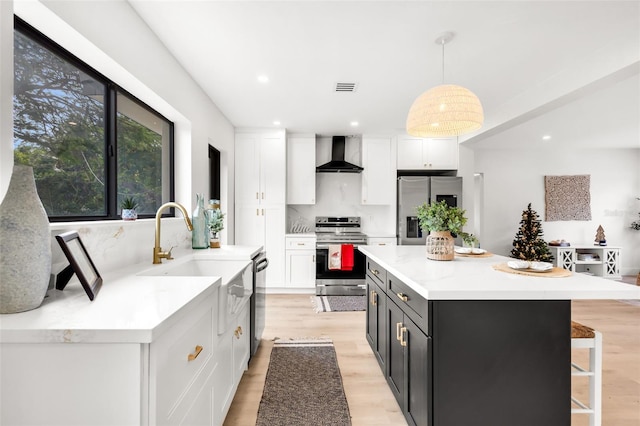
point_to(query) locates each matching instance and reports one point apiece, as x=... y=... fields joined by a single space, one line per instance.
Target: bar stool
x=584 y=337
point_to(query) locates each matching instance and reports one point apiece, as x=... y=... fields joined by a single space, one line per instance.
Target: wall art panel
x=567 y=198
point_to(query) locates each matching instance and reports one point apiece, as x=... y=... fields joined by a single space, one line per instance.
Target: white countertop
x=469 y=278
x=227 y=252
x=128 y=308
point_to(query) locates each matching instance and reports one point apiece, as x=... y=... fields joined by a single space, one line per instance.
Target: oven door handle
x=262 y=265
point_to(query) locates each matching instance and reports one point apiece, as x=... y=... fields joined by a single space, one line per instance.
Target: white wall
x=132 y=56
x=6 y=94
x=514 y=175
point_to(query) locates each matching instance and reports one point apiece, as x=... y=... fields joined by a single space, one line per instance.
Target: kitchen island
x=461 y=343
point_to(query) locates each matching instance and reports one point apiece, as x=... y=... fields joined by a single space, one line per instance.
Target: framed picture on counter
x=80 y=263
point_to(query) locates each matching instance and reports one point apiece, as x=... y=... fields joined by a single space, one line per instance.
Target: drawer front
x=179 y=356
x=381 y=241
x=377 y=273
x=301 y=243
x=414 y=305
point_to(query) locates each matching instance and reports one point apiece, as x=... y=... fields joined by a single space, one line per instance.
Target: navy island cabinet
x=471 y=362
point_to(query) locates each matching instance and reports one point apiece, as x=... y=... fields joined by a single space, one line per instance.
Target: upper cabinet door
x=378 y=176
x=273 y=172
x=427 y=154
x=260 y=173
x=247 y=169
x=441 y=154
x=301 y=169
x=410 y=153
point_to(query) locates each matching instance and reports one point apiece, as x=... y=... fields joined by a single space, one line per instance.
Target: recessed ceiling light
x=263 y=78
x=276 y=123
x=546 y=137
x=354 y=124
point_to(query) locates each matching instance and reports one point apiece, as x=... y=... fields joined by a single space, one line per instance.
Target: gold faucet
x=158 y=254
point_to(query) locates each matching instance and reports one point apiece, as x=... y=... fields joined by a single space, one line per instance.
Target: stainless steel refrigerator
x=416 y=190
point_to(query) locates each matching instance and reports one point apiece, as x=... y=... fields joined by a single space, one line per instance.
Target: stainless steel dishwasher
x=260 y=263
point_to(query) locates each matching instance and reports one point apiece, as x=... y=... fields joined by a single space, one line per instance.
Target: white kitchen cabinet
x=378 y=176
x=232 y=354
x=427 y=154
x=260 y=168
x=116 y=382
x=260 y=174
x=301 y=169
x=300 y=262
x=264 y=226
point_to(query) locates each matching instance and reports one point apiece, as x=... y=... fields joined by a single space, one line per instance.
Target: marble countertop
x=228 y=252
x=469 y=278
x=130 y=306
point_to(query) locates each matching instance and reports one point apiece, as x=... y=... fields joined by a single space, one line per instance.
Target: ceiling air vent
x=346 y=87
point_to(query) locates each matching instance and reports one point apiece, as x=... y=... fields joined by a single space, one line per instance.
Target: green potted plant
x=469 y=240
x=215 y=223
x=129 y=206
x=440 y=220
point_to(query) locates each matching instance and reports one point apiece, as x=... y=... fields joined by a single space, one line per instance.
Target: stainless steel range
x=335 y=235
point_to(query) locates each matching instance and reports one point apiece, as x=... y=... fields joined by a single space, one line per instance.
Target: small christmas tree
x=528 y=244
x=600 y=238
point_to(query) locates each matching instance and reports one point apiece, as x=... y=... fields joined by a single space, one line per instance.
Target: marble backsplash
x=116 y=244
x=339 y=194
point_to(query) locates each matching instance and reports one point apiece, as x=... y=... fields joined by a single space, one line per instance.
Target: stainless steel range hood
x=337 y=163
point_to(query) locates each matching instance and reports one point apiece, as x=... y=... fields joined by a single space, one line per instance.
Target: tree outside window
x=84 y=165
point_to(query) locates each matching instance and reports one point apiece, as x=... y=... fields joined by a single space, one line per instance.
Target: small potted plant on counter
x=215 y=222
x=129 y=206
x=441 y=221
x=469 y=240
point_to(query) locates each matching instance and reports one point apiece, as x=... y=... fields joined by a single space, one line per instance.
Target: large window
x=90 y=143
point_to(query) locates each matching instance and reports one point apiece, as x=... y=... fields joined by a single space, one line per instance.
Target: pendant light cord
x=443 y=43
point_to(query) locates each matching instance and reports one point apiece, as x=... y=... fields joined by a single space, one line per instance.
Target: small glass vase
x=200 y=233
x=469 y=244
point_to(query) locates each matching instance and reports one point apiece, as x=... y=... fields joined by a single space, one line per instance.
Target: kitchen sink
x=198 y=268
x=235 y=289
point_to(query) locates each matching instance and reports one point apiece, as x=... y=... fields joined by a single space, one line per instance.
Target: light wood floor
x=369 y=397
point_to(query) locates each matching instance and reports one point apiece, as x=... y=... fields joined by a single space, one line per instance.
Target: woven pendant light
x=445 y=110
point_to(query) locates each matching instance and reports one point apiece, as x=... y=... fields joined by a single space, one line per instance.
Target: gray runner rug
x=303 y=386
x=339 y=303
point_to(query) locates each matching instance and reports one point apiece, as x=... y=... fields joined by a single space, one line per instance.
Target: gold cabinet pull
x=194 y=355
x=238 y=332
x=403 y=342
x=374 y=298
x=402 y=297
x=257 y=197
x=374 y=271
x=398 y=336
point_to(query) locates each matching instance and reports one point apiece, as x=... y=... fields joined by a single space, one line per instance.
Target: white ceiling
x=522 y=59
